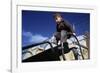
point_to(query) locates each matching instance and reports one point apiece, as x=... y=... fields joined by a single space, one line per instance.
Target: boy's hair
x=57 y=14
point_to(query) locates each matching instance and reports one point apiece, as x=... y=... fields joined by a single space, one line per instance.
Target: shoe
x=66 y=48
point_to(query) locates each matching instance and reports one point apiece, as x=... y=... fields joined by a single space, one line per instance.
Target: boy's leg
x=64 y=43
x=57 y=36
x=63 y=36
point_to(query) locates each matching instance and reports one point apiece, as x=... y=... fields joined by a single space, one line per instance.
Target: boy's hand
x=74 y=33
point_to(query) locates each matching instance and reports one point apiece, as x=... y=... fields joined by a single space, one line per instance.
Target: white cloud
x=26 y=34
x=37 y=38
x=34 y=38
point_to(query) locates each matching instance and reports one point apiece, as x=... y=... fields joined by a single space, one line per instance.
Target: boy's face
x=58 y=19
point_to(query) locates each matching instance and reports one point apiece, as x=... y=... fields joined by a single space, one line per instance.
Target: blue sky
x=38 y=26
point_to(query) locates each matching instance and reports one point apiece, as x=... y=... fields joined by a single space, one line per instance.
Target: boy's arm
x=67 y=24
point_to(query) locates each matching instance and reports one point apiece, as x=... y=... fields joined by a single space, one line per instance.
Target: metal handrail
x=27 y=52
x=30 y=46
x=79 y=46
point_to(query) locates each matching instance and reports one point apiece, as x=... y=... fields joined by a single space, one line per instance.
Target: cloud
x=26 y=34
x=29 y=38
x=37 y=38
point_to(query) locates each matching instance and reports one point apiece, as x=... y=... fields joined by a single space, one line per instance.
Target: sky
x=38 y=26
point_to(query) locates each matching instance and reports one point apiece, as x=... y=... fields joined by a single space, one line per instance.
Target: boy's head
x=57 y=17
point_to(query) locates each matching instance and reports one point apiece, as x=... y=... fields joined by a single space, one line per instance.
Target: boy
x=63 y=29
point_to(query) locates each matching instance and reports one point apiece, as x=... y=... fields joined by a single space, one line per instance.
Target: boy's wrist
x=74 y=33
